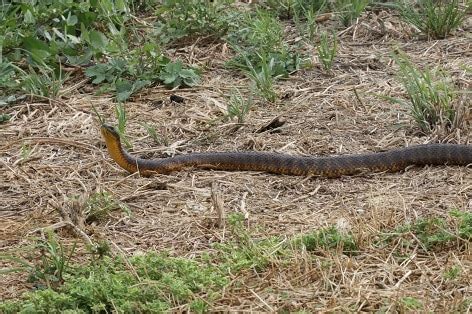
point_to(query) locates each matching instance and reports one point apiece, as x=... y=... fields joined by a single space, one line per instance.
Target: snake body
x=331 y=166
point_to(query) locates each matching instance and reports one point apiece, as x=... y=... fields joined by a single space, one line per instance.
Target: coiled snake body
x=331 y=166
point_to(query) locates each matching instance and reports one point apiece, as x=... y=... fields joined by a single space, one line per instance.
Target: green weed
x=49 y=31
x=157 y=283
x=47 y=270
x=99 y=205
x=77 y=34
x=262 y=32
x=238 y=106
x=245 y=252
x=349 y=10
x=411 y=303
x=159 y=139
x=46 y=83
x=327 y=239
x=293 y=8
x=25 y=151
x=327 y=50
x=128 y=75
x=431 y=233
x=4 y=117
x=431 y=95
x=259 y=38
x=452 y=273
x=262 y=79
x=120 y=113
x=436 y=19
x=262 y=54
x=119 y=76
x=174 y=75
x=308 y=12
x=180 y=18
x=8 y=76
x=283 y=8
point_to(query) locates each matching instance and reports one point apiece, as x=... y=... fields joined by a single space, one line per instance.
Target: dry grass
x=171 y=212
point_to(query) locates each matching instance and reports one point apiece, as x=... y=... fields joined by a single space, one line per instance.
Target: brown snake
x=331 y=166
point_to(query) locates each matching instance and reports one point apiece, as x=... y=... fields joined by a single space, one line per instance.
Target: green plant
x=106 y=72
x=411 y=303
x=327 y=50
x=431 y=95
x=326 y=239
x=310 y=5
x=180 y=18
x=62 y=31
x=39 y=36
x=147 y=283
x=349 y=10
x=8 y=75
x=265 y=32
x=259 y=39
x=25 y=152
x=159 y=139
x=283 y=8
x=245 y=252
x=258 y=34
x=4 y=117
x=174 y=75
x=262 y=79
x=310 y=15
x=452 y=272
x=305 y=15
x=100 y=204
x=121 y=116
x=464 y=228
x=431 y=233
x=128 y=75
x=289 y=8
x=50 y=267
x=437 y=19
x=141 y=68
x=238 y=106
x=46 y=83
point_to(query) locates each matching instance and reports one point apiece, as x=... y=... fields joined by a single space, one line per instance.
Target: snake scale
x=330 y=166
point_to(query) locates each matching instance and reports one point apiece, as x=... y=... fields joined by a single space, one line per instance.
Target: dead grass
x=171 y=212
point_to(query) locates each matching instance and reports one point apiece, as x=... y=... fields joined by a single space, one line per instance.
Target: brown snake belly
x=331 y=166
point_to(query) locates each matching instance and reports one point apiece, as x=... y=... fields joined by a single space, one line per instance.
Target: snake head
x=109 y=131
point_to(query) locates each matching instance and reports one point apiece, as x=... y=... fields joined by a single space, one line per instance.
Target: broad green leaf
x=39 y=55
x=124 y=89
x=29 y=18
x=98 y=72
x=72 y=20
x=31 y=43
x=4 y=117
x=98 y=40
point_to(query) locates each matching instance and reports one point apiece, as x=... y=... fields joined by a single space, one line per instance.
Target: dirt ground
x=323 y=116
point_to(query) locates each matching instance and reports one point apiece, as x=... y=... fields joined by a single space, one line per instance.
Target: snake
x=277 y=163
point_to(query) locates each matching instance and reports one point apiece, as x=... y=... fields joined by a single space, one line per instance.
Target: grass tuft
x=327 y=50
x=431 y=95
x=261 y=77
x=156 y=283
x=99 y=205
x=436 y=19
x=432 y=233
x=328 y=239
x=49 y=262
x=349 y=10
x=238 y=106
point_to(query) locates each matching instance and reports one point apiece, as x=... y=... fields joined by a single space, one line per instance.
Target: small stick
x=218 y=205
